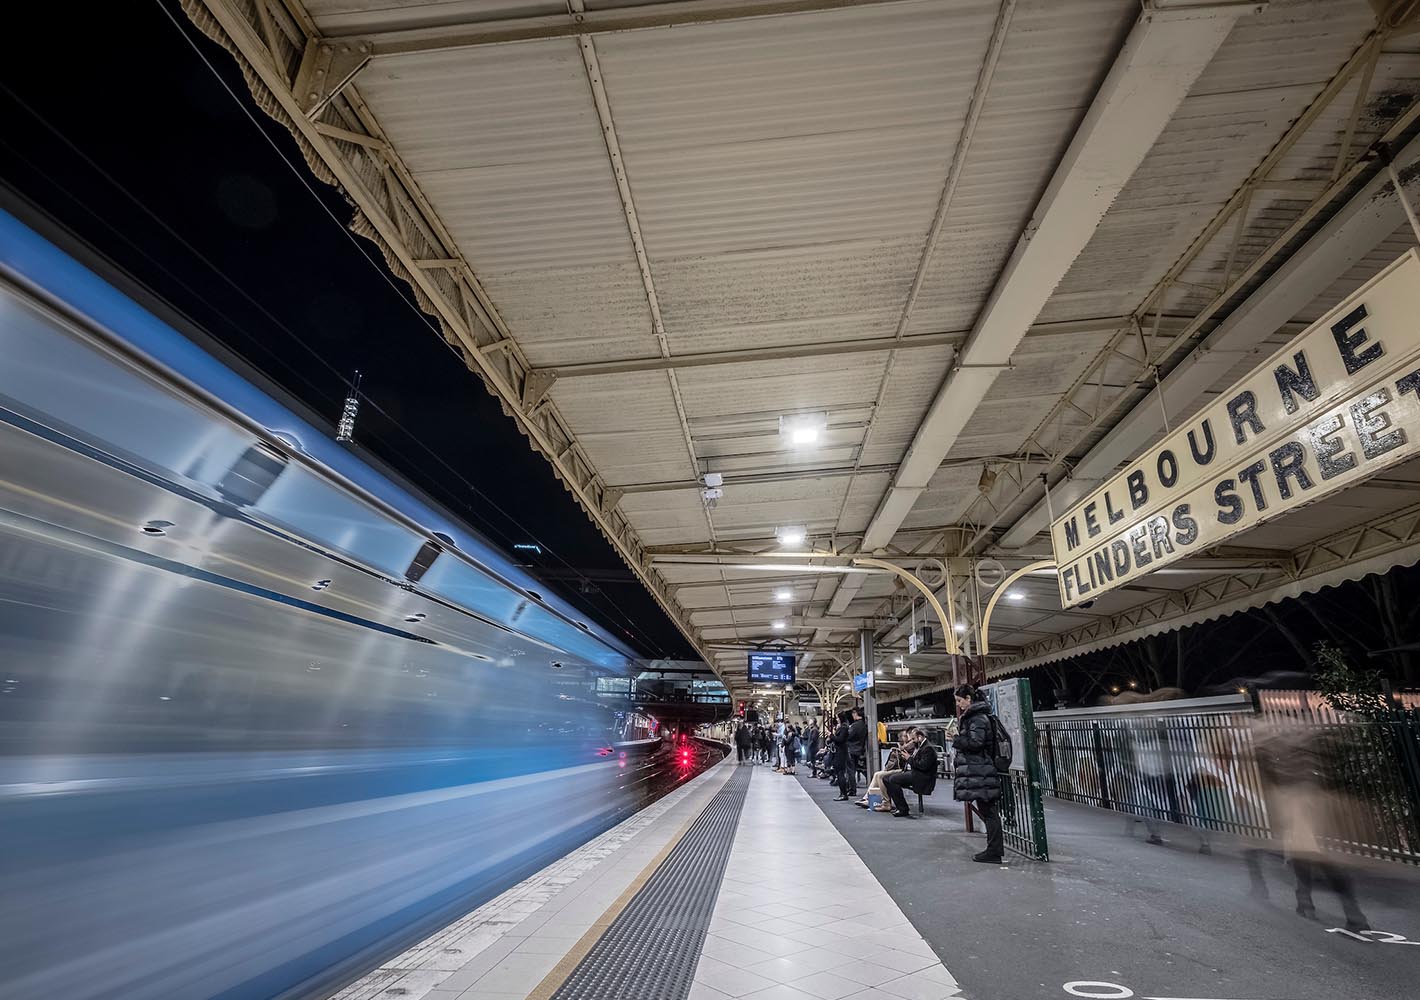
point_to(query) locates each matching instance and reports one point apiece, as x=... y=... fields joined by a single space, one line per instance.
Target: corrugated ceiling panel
x=1053 y=59
x=755 y=510
x=849 y=290
x=793 y=130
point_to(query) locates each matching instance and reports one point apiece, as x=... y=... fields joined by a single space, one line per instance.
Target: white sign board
x=1339 y=403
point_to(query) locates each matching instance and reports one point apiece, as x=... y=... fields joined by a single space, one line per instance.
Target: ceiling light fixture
x=777 y=626
x=791 y=534
x=1015 y=595
x=961 y=627
x=803 y=429
x=783 y=595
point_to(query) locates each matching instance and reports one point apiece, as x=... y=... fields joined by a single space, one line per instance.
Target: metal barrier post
x=1098 y=745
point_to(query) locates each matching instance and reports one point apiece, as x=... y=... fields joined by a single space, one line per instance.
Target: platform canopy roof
x=878 y=265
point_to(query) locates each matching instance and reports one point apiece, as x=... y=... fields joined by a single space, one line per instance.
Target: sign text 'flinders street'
x=1340 y=403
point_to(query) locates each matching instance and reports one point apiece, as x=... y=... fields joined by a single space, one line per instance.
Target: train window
x=423 y=559
x=251 y=476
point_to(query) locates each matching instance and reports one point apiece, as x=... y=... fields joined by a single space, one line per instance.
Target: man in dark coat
x=742 y=742
x=919 y=773
x=977 y=781
x=843 y=774
x=857 y=747
x=811 y=750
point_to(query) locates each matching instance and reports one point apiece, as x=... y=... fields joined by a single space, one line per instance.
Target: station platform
x=744 y=883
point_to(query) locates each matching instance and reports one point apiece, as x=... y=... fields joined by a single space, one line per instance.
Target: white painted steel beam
x=421 y=33
x=1167 y=49
x=1368 y=217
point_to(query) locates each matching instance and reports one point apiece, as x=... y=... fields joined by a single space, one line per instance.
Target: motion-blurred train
x=264 y=708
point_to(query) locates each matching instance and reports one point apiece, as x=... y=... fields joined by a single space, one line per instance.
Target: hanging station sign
x=1339 y=403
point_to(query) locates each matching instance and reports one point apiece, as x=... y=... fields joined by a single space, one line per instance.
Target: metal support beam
x=823 y=349
x=327 y=67
x=575 y=24
x=870 y=701
x=1164 y=54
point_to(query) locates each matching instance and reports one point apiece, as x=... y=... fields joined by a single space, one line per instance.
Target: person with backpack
x=979 y=745
x=742 y=741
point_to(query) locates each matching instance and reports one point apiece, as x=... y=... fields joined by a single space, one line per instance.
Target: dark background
x=125 y=137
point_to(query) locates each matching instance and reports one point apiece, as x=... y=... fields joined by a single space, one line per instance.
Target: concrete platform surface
x=1110 y=916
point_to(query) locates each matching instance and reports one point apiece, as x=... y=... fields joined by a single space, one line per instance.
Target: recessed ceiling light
x=803 y=429
x=791 y=534
x=783 y=595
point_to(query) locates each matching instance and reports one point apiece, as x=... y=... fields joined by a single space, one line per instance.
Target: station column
x=870 y=701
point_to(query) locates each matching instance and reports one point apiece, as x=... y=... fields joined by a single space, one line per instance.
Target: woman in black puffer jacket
x=977 y=780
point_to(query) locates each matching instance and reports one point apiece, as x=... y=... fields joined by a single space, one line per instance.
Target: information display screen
x=771 y=668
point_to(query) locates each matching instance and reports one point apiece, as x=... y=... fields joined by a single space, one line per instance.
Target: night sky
x=130 y=142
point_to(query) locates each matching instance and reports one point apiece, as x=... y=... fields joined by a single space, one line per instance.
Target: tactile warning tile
x=651 y=949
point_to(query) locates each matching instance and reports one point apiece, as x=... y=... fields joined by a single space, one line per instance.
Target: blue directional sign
x=863 y=681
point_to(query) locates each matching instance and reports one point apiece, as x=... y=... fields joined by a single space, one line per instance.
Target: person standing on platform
x=842 y=770
x=858 y=748
x=977 y=781
x=742 y=739
x=811 y=750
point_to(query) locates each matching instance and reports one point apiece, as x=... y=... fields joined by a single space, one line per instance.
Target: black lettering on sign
x=1067 y=581
x=1085 y=588
x=1230 y=505
x=1242 y=410
x=1249 y=476
x=1115 y=516
x=1409 y=383
x=1102 y=570
x=1159 y=536
x=1168 y=468
x=1203 y=457
x=1347 y=342
x=1296 y=383
x=1092 y=524
x=1185 y=525
x=1328 y=447
x=1138 y=492
x=1072 y=534
x=1139 y=541
x=1371 y=425
x=1119 y=550
x=1289 y=462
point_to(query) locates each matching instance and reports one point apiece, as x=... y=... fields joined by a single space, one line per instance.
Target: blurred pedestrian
x=1300 y=808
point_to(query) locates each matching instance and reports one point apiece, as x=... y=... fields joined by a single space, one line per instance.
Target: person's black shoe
x=1156 y=840
x=902 y=815
x=1357 y=925
x=1306 y=911
x=840 y=798
x=988 y=859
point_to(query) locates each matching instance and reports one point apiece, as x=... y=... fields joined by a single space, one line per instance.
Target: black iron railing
x=1357 y=781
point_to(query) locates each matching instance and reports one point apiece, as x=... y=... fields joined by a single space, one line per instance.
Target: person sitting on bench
x=894 y=764
x=919 y=773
